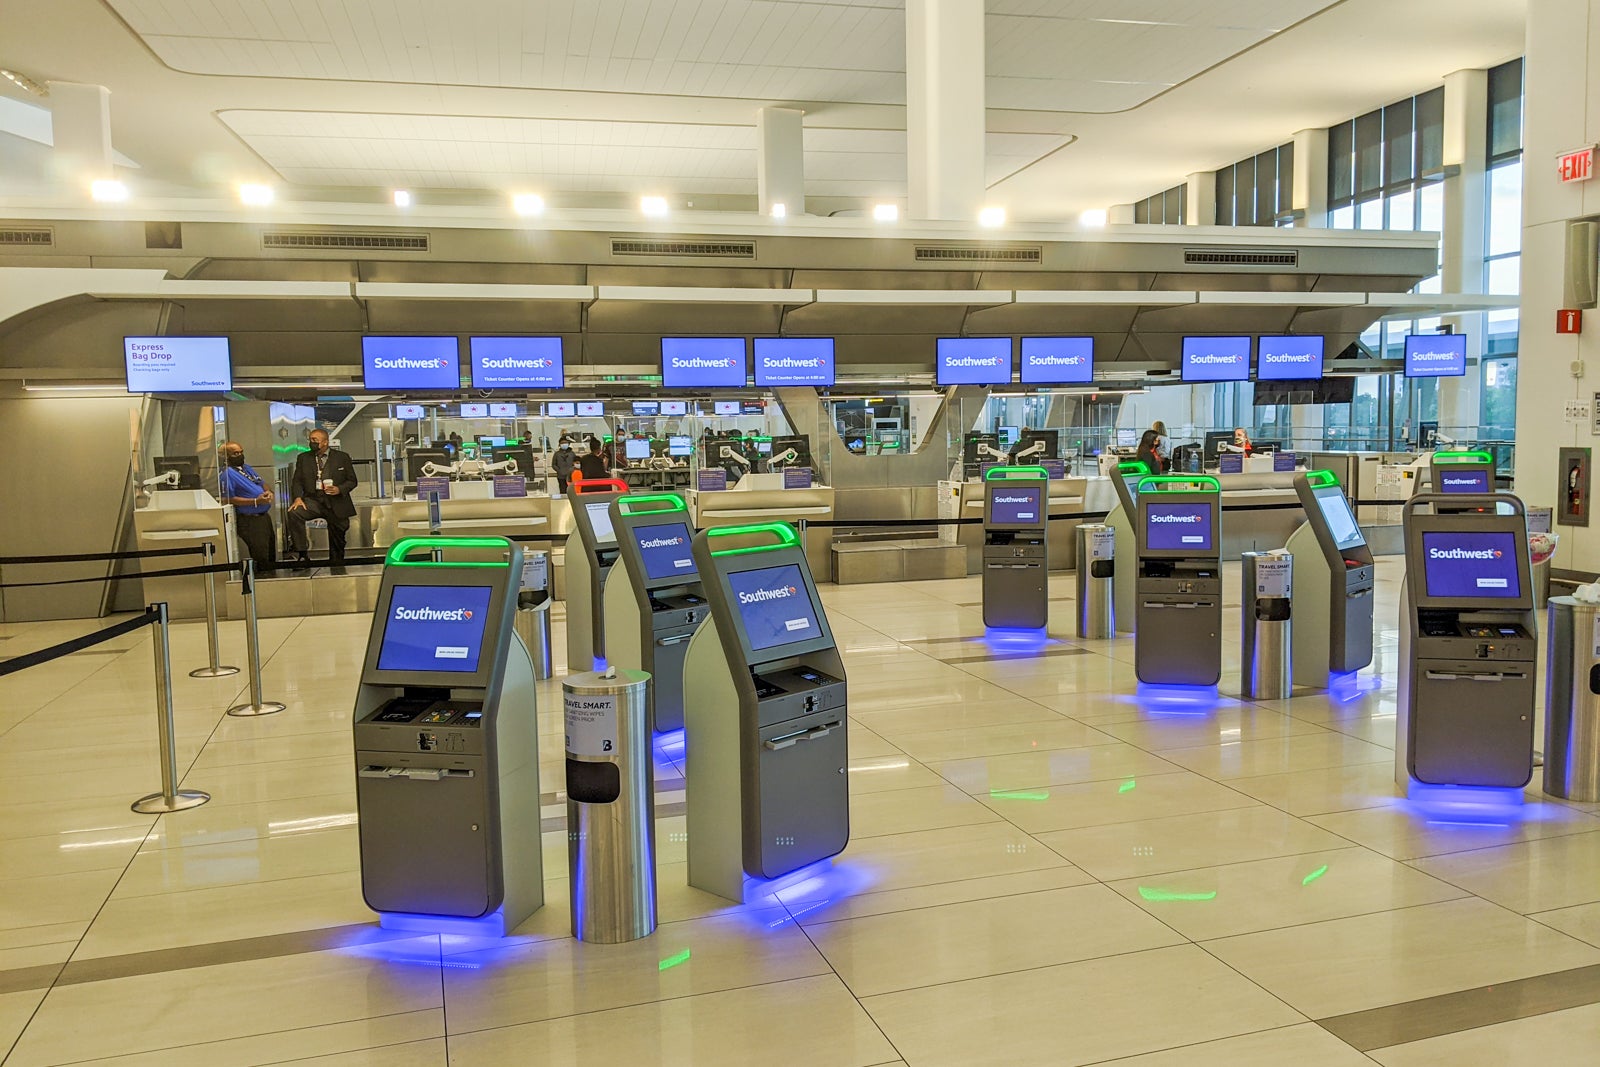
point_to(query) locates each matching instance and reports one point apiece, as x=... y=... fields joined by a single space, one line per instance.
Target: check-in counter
x=733 y=507
x=1066 y=496
x=181 y=518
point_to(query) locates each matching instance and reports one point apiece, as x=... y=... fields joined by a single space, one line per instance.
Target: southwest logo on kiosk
x=427 y=614
x=1464 y=553
x=761 y=596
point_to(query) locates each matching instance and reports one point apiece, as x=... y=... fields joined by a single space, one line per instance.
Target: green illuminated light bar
x=1472 y=456
x=1316 y=479
x=396 y=556
x=1134 y=466
x=674 y=502
x=1156 y=482
x=786 y=535
x=1001 y=474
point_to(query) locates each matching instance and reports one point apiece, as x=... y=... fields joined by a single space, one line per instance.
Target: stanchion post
x=171 y=798
x=252 y=647
x=214 y=668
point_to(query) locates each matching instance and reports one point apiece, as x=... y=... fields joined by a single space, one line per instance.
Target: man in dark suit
x=321 y=488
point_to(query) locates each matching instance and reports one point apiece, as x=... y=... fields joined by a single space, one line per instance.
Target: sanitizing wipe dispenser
x=447 y=742
x=654 y=602
x=1016 y=556
x=1178 y=638
x=1122 y=520
x=590 y=557
x=765 y=717
x=1334 y=579
x=1468 y=644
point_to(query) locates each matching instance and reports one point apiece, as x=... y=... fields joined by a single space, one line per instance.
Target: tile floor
x=1043 y=870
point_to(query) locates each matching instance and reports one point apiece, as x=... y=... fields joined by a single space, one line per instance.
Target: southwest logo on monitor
x=1436 y=356
x=427 y=614
x=1464 y=553
x=1216 y=359
x=972 y=361
x=1014 y=499
x=759 y=596
x=410 y=363
x=1176 y=518
x=661 y=542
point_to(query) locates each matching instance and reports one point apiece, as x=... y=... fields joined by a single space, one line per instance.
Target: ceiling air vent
x=1239 y=257
x=343 y=241
x=686 y=249
x=27 y=236
x=979 y=254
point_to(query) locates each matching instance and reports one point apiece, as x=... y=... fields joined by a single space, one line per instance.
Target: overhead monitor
x=1342 y=525
x=591 y=409
x=1177 y=526
x=1468 y=565
x=680 y=444
x=664 y=547
x=775 y=607
x=703 y=362
x=502 y=411
x=725 y=407
x=435 y=628
x=1295 y=357
x=517 y=362
x=674 y=407
x=646 y=408
x=474 y=411
x=794 y=361
x=561 y=409
x=409 y=411
x=636 y=448
x=1216 y=359
x=973 y=361
x=1442 y=355
x=752 y=407
x=1463 y=479
x=1057 y=360
x=178 y=364
x=421 y=363
x=600 y=521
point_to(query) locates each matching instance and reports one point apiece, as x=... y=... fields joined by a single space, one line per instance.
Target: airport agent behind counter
x=321 y=488
x=252 y=506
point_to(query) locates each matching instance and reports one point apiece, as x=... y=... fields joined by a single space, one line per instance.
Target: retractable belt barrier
x=77 y=644
x=90 y=557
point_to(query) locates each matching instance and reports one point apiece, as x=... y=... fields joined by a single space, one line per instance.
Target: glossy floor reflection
x=1044 y=869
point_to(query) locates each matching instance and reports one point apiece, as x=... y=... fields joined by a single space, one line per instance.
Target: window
x=1502 y=253
x=1258 y=191
x=1163 y=208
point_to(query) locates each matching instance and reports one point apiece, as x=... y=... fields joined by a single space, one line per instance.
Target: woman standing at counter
x=1163 y=443
x=1148 y=454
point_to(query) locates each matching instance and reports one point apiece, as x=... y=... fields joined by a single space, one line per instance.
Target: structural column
x=1200 y=199
x=780 y=163
x=1466 y=132
x=1309 y=193
x=1561 y=113
x=945 y=109
x=80 y=120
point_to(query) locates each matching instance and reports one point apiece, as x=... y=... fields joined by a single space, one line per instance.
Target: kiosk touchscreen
x=1178 y=636
x=1125 y=480
x=1334 y=580
x=765 y=715
x=1468 y=642
x=1015 y=548
x=651 y=615
x=447 y=742
x=1462 y=474
x=589 y=559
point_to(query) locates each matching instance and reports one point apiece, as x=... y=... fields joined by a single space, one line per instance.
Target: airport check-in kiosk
x=1468 y=642
x=589 y=564
x=1334 y=580
x=765 y=716
x=1125 y=480
x=656 y=604
x=1016 y=564
x=447 y=742
x=1461 y=474
x=1178 y=636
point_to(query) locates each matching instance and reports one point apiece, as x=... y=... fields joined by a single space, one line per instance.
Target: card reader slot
x=808 y=734
x=675 y=640
x=416 y=774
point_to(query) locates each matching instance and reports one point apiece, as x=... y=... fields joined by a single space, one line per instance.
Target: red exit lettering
x=1576 y=166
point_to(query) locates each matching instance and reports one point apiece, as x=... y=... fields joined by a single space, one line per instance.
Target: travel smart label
x=591 y=720
x=1102 y=543
x=1273 y=576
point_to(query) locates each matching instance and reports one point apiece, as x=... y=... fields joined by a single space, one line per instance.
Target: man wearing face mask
x=321 y=488
x=252 y=506
x=563 y=463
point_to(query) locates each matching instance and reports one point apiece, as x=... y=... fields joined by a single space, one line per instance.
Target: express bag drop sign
x=178 y=364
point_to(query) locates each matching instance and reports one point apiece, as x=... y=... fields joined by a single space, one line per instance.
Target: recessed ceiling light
x=992 y=217
x=654 y=206
x=778 y=211
x=886 y=212
x=255 y=194
x=108 y=190
x=402 y=198
x=527 y=204
x=1094 y=217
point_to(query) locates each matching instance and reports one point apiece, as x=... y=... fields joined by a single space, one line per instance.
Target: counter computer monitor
x=665 y=550
x=491 y=440
x=1015 y=504
x=680 y=444
x=1487 y=561
x=674 y=407
x=188 y=468
x=1052 y=444
x=800 y=442
x=1128 y=437
x=764 y=448
x=1463 y=479
x=779 y=611
x=523 y=454
x=416 y=457
x=1183 y=527
x=434 y=626
x=560 y=409
x=1214 y=438
x=600 y=518
x=636 y=448
x=1342 y=525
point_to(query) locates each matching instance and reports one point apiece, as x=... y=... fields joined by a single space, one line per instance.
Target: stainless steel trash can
x=1572 y=701
x=1097 y=546
x=1266 y=663
x=610 y=805
x=533 y=611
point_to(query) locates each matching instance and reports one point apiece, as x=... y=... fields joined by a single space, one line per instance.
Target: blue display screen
x=973 y=361
x=1467 y=480
x=1012 y=505
x=1177 y=527
x=411 y=363
x=1216 y=359
x=798 y=361
x=1289 y=358
x=1436 y=355
x=178 y=364
x=665 y=550
x=1467 y=566
x=435 y=628
x=516 y=362
x=1057 y=360
x=703 y=362
x=774 y=606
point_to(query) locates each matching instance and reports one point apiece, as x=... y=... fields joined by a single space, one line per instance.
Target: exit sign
x=1576 y=166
